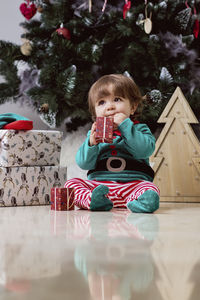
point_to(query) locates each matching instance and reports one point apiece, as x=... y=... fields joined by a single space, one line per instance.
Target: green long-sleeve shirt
x=134 y=142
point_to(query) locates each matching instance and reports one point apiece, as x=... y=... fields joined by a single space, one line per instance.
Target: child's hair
x=122 y=86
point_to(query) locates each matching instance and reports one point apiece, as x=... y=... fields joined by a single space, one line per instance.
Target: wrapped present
x=62 y=198
x=29 y=185
x=104 y=129
x=30 y=148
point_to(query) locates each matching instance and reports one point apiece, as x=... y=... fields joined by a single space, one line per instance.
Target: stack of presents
x=29 y=162
x=30 y=173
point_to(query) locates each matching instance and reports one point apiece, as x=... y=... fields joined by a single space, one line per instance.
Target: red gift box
x=62 y=198
x=104 y=129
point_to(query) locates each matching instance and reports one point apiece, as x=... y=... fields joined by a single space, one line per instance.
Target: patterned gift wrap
x=62 y=198
x=104 y=129
x=29 y=148
x=29 y=185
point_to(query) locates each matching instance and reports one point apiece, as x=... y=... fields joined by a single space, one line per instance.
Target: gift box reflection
x=15 y=265
x=24 y=250
x=74 y=226
x=113 y=264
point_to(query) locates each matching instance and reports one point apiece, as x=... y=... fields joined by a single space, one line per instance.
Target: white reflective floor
x=100 y=255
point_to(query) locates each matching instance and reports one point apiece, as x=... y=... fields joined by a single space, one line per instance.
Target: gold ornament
x=147 y=22
x=147 y=25
x=44 y=108
x=26 y=48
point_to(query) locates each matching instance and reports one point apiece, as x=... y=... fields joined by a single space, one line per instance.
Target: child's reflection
x=115 y=260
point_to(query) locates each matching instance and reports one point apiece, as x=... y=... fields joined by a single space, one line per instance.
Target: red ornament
x=28 y=10
x=126 y=7
x=64 y=32
x=196 y=29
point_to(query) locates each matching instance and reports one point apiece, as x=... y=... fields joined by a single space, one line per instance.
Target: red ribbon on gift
x=62 y=198
x=126 y=7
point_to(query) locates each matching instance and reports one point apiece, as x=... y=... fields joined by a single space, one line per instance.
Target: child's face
x=110 y=105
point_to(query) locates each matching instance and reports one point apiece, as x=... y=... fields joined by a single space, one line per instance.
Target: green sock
x=148 y=202
x=99 y=201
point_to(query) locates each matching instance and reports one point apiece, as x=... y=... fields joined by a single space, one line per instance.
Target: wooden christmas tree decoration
x=176 y=160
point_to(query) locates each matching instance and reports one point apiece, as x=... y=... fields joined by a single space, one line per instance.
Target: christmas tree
x=169 y=160
x=69 y=44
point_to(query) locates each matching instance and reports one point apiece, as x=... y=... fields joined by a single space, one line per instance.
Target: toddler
x=119 y=173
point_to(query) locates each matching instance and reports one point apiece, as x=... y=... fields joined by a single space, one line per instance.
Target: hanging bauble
x=26 y=48
x=28 y=10
x=147 y=25
x=44 y=108
x=147 y=21
x=64 y=32
x=155 y=96
x=196 y=28
x=126 y=8
x=196 y=24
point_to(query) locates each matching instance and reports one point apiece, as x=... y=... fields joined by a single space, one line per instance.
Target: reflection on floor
x=114 y=255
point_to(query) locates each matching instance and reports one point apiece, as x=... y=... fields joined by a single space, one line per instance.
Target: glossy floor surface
x=113 y=255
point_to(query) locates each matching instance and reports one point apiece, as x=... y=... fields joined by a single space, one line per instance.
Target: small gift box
x=62 y=198
x=104 y=129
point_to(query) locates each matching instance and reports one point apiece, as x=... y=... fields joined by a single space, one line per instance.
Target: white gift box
x=29 y=185
x=30 y=148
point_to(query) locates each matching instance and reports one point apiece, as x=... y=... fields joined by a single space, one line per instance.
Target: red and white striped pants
x=119 y=193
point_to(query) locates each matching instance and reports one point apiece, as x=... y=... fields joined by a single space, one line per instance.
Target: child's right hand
x=93 y=135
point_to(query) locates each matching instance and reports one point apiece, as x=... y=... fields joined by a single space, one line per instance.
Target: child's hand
x=93 y=135
x=119 y=118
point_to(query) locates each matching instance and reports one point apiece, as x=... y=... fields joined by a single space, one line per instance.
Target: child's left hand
x=92 y=140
